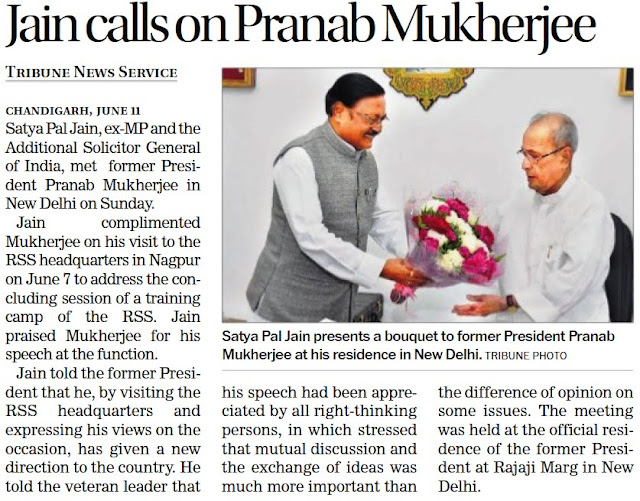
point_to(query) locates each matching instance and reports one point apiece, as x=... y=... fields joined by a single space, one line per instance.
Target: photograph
x=428 y=195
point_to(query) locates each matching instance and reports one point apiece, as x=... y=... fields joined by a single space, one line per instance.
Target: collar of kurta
x=340 y=144
x=558 y=196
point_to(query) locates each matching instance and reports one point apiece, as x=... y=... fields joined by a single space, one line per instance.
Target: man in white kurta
x=558 y=249
x=559 y=237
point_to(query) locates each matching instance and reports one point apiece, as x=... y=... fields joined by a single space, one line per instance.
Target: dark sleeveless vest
x=287 y=285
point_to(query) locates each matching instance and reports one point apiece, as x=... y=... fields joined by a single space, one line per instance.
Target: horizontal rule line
x=119 y=80
x=427 y=370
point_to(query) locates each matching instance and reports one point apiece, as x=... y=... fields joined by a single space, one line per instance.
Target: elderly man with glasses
x=325 y=206
x=559 y=238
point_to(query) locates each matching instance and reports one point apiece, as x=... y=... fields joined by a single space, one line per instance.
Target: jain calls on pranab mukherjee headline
x=453 y=22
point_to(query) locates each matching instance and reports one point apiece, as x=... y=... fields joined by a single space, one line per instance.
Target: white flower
x=467 y=230
x=438 y=236
x=473 y=219
x=460 y=224
x=471 y=242
x=432 y=205
x=454 y=219
x=450 y=261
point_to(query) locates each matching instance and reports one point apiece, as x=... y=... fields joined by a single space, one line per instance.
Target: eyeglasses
x=535 y=160
x=372 y=120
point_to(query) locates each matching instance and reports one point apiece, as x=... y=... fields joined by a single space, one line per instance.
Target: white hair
x=566 y=134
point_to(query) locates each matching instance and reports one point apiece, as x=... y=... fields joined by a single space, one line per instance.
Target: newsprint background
x=135 y=200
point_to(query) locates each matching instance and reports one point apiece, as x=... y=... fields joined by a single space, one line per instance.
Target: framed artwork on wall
x=428 y=84
x=626 y=82
x=238 y=77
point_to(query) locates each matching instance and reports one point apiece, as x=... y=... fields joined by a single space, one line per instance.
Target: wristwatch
x=512 y=304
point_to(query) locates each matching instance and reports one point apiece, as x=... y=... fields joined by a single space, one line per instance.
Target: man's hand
x=399 y=270
x=483 y=305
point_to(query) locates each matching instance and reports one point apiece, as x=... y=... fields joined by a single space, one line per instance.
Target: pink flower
x=460 y=207
x=432 y=244
x=437 y=223
x=464 y=252
x=485 y=234
x=444 y=209
x=479 y=267
x=401 y=292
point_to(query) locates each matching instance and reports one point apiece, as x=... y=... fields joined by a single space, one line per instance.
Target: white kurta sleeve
x=297 y=188
x=388 y=229
x=580 y=264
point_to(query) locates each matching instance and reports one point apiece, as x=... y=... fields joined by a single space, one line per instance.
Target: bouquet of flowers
x=448 y=244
